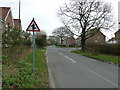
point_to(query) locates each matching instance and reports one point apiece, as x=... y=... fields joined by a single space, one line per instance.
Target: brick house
x=7 y=19
x=117 y=34
x=17 y=24
x=97 y=38
x=69 y=41
x=115 y=39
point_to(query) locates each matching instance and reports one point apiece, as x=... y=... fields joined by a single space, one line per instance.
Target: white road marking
x=50 y=75
x=103 y=78
x=70 y=59
x=51 y=79
x=47 y=59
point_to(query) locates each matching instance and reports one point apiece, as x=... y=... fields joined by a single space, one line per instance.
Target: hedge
x=113 y=49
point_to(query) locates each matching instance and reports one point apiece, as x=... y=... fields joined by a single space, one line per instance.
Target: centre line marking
x=103 y=78
x=70 y=59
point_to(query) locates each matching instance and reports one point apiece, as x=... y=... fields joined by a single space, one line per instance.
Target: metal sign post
x=34 y=28
x=33 y=53
x=33 y=49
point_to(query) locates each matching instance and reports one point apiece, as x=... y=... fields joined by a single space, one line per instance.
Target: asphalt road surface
x=69 y=70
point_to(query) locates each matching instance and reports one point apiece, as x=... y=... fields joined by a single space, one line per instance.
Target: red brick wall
x=71 y=41
x=117 y=34
x=98 y=38
x=10 y=20
x=4 y=11
x=0 y=19
x=17 y=24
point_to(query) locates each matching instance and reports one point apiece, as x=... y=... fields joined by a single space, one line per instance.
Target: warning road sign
x=33 y=26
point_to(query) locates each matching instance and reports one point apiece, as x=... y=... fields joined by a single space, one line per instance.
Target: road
x=69 y=70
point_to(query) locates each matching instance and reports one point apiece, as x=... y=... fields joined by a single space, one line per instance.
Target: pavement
x=70 y=70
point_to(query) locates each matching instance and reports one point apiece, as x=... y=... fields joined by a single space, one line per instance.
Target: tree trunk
x=61 y=41
x=83 y=40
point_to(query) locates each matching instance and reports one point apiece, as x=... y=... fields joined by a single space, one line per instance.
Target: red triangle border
x=35 y=24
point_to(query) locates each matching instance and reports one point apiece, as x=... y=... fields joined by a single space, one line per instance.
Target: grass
x=19 y=73
x=102 y=57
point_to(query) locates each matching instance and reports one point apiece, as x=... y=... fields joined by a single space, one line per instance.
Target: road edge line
x=51 y=83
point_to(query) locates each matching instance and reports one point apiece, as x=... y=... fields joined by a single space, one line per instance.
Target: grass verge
x=101 y=57
x=19 y=73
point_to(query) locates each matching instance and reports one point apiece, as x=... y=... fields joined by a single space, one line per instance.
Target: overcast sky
x=44 y=12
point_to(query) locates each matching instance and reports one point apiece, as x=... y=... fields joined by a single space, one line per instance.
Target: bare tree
x=82 y=16
x=53 y=40
x=62 y=33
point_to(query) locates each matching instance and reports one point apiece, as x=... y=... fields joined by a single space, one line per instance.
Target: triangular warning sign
x=33 y=26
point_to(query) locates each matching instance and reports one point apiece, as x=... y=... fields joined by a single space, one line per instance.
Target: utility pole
x=19 y=14
x=19 y=11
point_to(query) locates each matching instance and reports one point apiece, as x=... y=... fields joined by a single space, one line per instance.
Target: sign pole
x=34 y=28
x=33 y=54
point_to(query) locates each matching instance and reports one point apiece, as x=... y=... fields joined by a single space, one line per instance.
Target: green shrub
x=13 y=36
x=112 y=49
x=41 y=41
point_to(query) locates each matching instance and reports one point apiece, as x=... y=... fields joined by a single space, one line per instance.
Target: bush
x=41 y=41
x=13 y=36
x=110 y=49
x=106 y=48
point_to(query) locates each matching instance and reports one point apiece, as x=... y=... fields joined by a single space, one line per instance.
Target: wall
x=98 y=38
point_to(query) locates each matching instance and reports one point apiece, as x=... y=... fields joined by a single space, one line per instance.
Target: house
x=117 y=34
x=7 y=19
x=115 y=39
x=78 y=41
x=111 y=41
x=70 y=41
x=17 y=24
x=97 y=38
